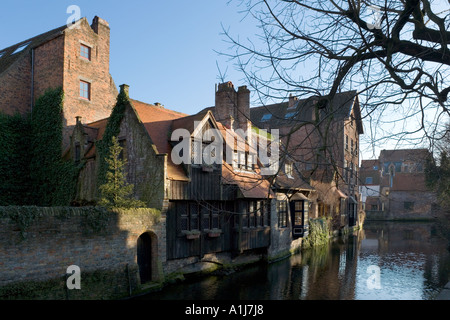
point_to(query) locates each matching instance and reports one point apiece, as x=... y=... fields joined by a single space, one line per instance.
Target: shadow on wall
x=115 y=251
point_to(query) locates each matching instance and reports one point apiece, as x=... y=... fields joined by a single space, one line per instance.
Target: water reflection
x=412 y=260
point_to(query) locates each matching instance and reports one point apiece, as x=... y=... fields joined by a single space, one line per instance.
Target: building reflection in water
x=412 y=258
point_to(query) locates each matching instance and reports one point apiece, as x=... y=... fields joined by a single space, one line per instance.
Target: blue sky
x=165 y=50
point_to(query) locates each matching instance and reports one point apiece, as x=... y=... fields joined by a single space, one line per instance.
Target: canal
x=383 y=261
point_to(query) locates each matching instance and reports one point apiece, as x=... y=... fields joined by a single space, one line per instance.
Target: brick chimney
x=292 y=101
x=243 y=110
x=226 y=104
x=100 y=26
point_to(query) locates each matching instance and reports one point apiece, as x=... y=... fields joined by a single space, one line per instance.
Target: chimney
x=243 y=109
x=124 y=88
x=226 y=104
x=292 y=101
x=99 y=25
x=78 y=120
x=101 y=28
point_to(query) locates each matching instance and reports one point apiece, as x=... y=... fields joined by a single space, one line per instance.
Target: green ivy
x=32 y=170
x=319 y=233
x=15 y=184
x=112 y=130
x=53 y=179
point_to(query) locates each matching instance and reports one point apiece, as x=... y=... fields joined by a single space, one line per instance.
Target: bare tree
x=394 y=53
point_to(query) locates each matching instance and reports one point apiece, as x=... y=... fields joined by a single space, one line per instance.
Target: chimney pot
x=124 y=88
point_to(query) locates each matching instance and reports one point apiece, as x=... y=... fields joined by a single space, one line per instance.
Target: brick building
x=393 y=186
x=75 y=58
x=322 y=144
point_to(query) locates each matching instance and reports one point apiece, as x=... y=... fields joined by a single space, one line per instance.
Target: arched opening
x=144 y=256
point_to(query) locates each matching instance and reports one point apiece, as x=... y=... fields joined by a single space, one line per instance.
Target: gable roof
x=8 y=57
x=404 y=154
x=250 y=185
x=157 y=121
x=281 y=115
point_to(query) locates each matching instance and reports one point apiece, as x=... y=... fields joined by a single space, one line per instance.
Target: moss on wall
x=319 y=233
x=38 y=249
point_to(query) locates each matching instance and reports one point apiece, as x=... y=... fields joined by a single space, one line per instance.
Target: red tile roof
x=157 y=120
x=252 y=185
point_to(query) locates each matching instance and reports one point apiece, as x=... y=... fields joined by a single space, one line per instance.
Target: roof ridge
x=49 y=32
x=159 y=107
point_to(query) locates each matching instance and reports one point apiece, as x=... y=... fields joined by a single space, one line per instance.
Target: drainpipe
x=32 y=82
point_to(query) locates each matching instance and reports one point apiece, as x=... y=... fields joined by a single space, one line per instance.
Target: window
x=241 y=159
x=196 y=153
x=245 y=161
x=123 y=145
x=85 y=90
x=298 y=213
x=266 y=117
x=351 y=146
x=282 y=214
x=188 y=216
x=289 y=115
x=288 y=169
x=85 y=52
x=77 y=153
x=375 y=167
x=255 y=214
x=369 y=180
x=346 y=142
x=345 y=170
x=21 y=47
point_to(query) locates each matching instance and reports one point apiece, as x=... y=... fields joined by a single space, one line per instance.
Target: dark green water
x=384 y=261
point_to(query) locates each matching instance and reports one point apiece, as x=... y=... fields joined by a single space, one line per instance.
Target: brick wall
x=48 y=66
x=95 y=71
x=58 y=238
x=15 y=87
x=58 y=63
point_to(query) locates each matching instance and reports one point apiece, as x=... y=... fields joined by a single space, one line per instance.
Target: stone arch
x=147 y=256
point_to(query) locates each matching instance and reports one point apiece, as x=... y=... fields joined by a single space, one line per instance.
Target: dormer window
x=288 y=169
x=266 y=117
x=245 y=161
x=85 y=52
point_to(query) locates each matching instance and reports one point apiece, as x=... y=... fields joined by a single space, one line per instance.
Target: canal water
x=384 y=261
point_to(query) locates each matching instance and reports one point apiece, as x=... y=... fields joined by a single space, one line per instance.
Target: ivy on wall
x=31 y=165
x=15 y=184
x=53 y=179
x=112 y=130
